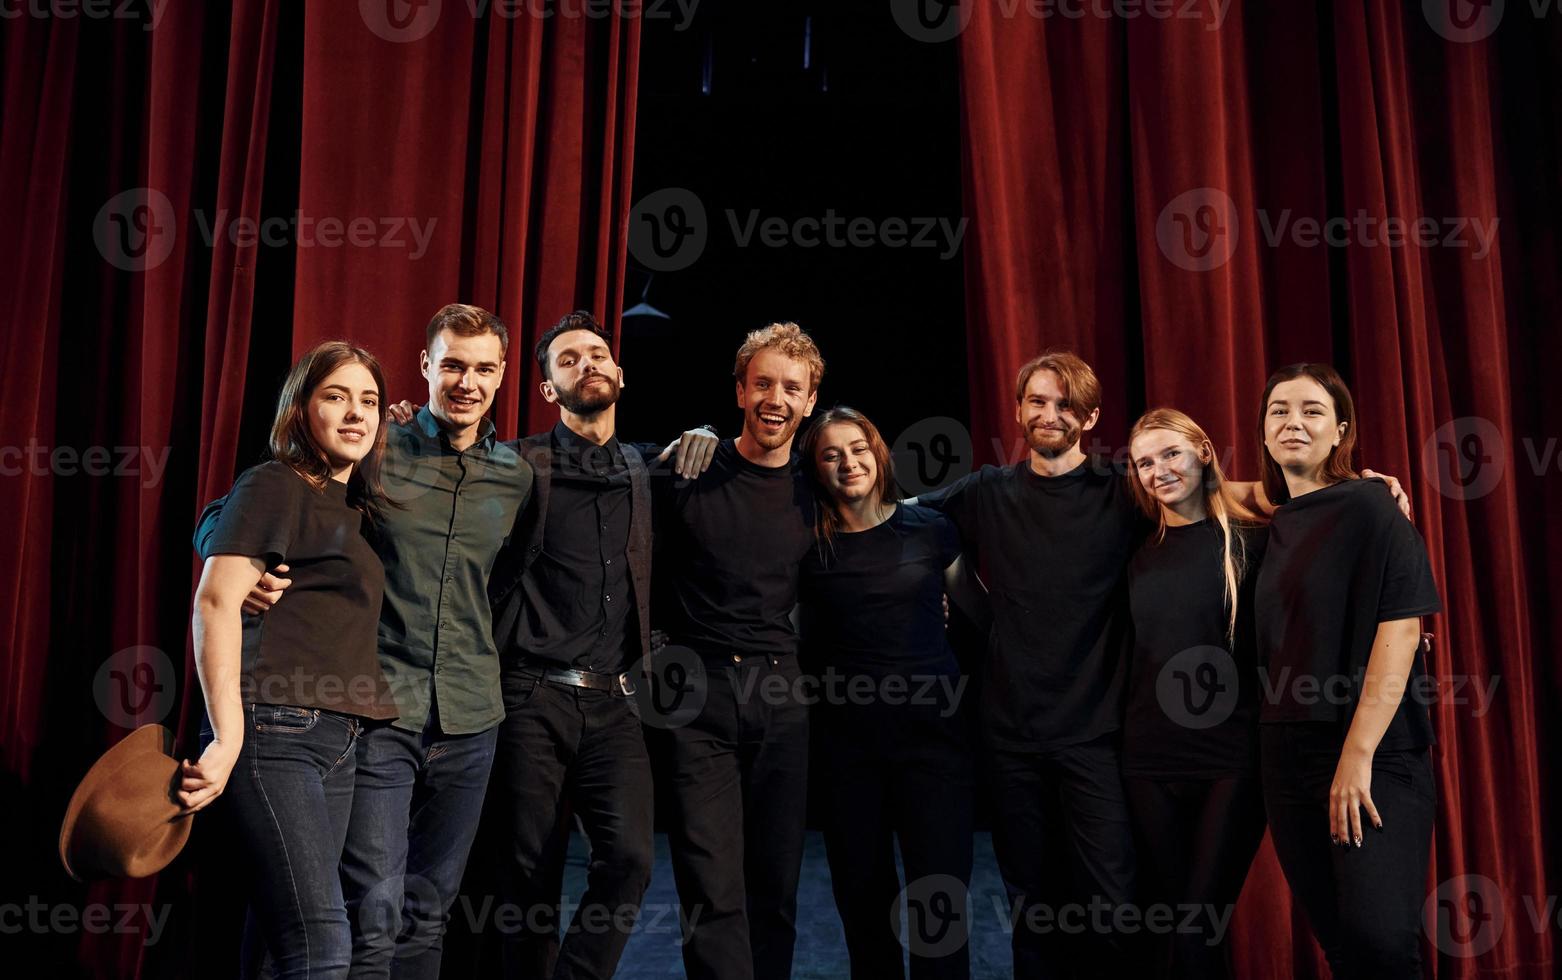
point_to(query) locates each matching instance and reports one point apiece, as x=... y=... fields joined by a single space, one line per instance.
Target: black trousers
x=901 y=772
x=1065 y=848
x=558 y=744
x=1364 y=903
x=738 y=774
x=1196 y=840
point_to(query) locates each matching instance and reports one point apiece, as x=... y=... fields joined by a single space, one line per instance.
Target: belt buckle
x=626 y=684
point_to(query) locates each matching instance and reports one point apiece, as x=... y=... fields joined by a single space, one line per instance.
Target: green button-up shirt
x=436 y=635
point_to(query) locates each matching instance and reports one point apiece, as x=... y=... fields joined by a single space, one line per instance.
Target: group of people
x=400 y=616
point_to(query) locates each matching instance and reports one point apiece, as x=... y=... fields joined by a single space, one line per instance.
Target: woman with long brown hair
x=888 y=730
x=1344 y=736
x=1190 y=734
x=286 y=705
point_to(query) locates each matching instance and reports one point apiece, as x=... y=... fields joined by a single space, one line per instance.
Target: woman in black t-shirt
x=1190 y=732
x=888 y=733
x=287 y=698
x=1344 y=726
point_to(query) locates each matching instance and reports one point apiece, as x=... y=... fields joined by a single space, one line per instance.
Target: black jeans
x=290 y=794
x=415 y=806
x=1065 y=848
x=1364 y=903
x=898 y=772
x=560 y=744
x=739 y=785
x=1196 y=841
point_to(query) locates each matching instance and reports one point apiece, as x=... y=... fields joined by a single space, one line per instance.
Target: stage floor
x=654 y=948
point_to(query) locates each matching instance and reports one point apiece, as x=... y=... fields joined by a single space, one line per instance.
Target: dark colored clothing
x=739 y=786
x=414 y=816
x=576 y=594
x=438 y=548
x=317 y=649
x=873 y=603
x=289 y=798
x=1192 y=694
x=1056 y=808
x=524 y=608
x=898 y=773
x=569 y=745
x=1340 y=561
x=728 y=545
x=436 y=641
x=1196 y=840
x=1364 y=903
x=1055 y=551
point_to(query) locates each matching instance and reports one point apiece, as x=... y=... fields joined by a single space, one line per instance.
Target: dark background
x=868 y=127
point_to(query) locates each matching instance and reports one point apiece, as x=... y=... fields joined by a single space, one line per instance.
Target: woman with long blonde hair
x=1190 y=740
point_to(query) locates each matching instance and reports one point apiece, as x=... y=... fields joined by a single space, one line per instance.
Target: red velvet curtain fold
x=193 y=196
x=1138 y=190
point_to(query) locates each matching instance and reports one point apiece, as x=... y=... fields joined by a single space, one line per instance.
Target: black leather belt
x=621 y=684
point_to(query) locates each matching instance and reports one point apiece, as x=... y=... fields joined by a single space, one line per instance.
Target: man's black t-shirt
x=873 y=603
x=318 y=647
x=728 y=545
x=1341 y=560
x=1192 y=694
x=1055 y=551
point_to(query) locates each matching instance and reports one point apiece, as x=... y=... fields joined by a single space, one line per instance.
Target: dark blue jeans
x=414 y=815
x=289 y=796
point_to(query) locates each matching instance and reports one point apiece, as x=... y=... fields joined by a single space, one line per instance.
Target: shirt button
x=607 y=598
x=608 y=562
x=736 y=659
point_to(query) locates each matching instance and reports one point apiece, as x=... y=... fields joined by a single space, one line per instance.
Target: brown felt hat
x=123 y=821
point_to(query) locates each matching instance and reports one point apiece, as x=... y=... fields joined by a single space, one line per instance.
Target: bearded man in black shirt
x=571 y=597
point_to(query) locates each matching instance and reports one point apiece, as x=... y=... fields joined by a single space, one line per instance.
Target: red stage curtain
x=1083 y=136
x=143 y=322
